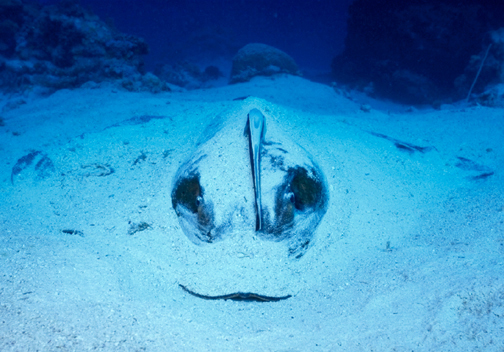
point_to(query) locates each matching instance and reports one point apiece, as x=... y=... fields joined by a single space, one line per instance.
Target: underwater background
x=251 y=175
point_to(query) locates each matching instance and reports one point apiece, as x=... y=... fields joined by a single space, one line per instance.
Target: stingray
x=246 y=174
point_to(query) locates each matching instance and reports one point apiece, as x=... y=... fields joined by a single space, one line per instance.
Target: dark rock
x=415 y=51
x=261 y=60
x=188 y=75
x=65 y=46
x=183 y=74
x=147 y=82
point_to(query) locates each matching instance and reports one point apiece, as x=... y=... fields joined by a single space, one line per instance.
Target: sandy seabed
x=408 y=257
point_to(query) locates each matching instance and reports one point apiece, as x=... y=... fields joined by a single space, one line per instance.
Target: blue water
x=313 y=32
x=111 y=177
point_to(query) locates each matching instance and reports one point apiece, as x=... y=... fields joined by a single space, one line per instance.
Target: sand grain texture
x=409 y=255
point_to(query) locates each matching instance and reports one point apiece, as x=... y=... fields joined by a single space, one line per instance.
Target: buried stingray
x=246 y=178
x=238 y=168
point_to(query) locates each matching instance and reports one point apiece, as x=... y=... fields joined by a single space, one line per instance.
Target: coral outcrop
x=188 y=75
x=415 y=51
x=65 y=46
x=261 y=60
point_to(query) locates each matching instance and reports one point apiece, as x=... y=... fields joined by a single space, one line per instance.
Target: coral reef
x=190 y=76
x=261 y=60
x=65 y=46
x=415 y=51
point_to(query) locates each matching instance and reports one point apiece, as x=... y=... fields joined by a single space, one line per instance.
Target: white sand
x=409 y=256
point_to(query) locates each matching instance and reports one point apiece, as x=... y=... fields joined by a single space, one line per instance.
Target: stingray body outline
x=235 y=160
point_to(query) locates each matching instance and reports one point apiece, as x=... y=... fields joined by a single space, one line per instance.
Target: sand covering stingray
x=215 y=189
x=248 y=182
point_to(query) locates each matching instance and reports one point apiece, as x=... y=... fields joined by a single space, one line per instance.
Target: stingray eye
x=290 y=197
x=190 y=204
x=307 y=188
x=188 y=192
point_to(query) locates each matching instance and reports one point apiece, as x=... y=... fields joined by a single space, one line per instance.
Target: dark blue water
x=415 y=52
x=312 y=32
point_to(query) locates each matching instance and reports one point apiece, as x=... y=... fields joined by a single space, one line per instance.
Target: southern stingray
x=246 y=177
